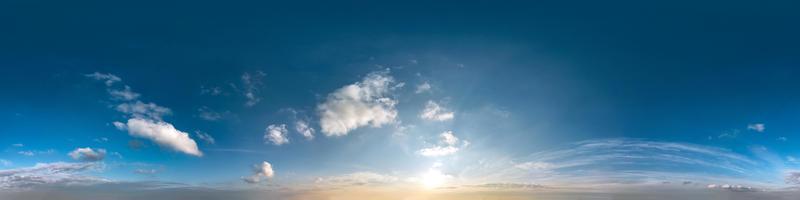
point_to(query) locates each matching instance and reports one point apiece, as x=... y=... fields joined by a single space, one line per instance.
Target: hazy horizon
x=399 y=100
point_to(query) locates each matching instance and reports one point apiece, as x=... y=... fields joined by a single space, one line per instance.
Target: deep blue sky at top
x=572 y=70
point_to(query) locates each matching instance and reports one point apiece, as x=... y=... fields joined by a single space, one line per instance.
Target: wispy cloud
x=628 y=161
x=205 y=137
x=757 y=127
x=252 y=83
x=433 y=111
x=59 y=173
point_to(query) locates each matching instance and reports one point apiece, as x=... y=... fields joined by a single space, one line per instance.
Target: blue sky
x=260 y=96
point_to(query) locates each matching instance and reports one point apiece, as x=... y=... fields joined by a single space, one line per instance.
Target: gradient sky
x=693 y=96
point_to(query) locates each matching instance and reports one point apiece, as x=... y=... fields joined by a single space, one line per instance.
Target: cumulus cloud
x=302 y=127
x=757 y=127
x=164 y=134
x=363 y=103
x=277 y=134
x=87 y=154
x=146 y=119
x=448 y=144
x=138 y=109
x=433 y=111
x=260 y=171
x=109 y=79
x=205 y=137
x=422 y=88
x=448 y=138
x=49 y=173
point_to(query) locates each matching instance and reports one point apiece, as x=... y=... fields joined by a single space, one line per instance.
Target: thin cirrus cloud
x=58 y=173
x=631 y=161
x=757 y=127
x=205 y=137
x=423 y=88
x=367 y=102
x=251 y=83
x=146 y=119
x=359 y=179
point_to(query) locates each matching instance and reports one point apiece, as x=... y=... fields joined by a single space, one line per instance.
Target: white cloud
x=252 y=83
x=302 y=127
x=164 y=134
x=792 y=177
x=87 y=154
x=424 y=87
x=277 y=134
x=205 y=137
x=594 y=162
x=448 y=138
x=448 y=145
x=18 y=145
x=49 y=173
x=539 y=166
x=435 y=112
x=125 y=94
x=730 y=187
x=263 y=170
x=145 y=119
x=109 y=79
x=143 y=110
x=363 y=103
x=26 y=153
x=357 y=179
x=757 y=127
x=438 y=151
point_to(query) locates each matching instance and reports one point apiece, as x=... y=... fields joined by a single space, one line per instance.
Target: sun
x=433 y=179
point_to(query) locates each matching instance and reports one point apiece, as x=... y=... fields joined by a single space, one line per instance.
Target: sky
x=399 y=100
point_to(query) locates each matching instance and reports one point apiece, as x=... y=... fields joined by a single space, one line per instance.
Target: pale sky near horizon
x=443 y=99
